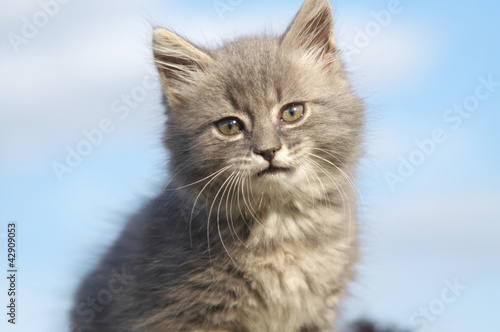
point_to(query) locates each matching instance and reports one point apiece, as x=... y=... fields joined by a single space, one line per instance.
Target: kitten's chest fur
x=300 y=277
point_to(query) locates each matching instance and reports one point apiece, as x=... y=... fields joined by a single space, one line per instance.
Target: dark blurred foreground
x=368 y=326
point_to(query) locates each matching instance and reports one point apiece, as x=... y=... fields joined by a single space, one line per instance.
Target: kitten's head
x=277 y=113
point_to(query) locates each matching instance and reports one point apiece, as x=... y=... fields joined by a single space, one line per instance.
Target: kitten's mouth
x=271 y=170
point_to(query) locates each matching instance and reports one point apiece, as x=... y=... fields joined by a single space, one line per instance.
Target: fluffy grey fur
x=256 y=230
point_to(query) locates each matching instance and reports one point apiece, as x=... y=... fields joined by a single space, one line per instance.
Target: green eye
x=292 y=113
x=229 y=126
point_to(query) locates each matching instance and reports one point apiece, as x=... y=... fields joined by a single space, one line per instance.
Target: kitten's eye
x=292 y=113
x=229 y=126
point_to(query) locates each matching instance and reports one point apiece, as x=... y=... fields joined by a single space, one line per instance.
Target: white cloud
x=66 y=77
x=444 y=219
x=392 y=56
x=13 y=11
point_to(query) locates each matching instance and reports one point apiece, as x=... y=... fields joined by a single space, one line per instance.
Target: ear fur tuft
x=312 y=29
x=177 y=60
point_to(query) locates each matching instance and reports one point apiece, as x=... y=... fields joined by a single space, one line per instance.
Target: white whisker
x=223 y=186
x=343 y=195
x=346 y=175
x=214 y=176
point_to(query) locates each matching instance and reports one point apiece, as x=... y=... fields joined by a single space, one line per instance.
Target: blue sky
x=439 y=224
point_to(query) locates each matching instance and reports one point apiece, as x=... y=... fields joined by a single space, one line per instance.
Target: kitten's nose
x=267 y=154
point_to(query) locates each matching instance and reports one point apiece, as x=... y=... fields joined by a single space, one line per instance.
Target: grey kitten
x=256 y=228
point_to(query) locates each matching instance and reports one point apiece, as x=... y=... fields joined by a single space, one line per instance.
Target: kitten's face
x=279 y=113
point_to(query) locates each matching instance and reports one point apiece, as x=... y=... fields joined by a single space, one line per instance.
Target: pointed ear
x=312 y=29
x=177 y=61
